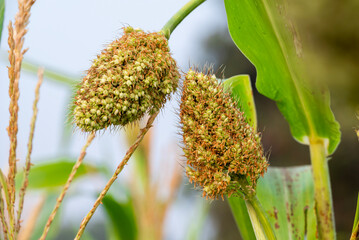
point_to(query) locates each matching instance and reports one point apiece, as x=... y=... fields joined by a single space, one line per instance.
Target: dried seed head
x=134 y=75
x=224 y=154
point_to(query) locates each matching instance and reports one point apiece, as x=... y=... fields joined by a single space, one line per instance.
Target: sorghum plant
x=135 y=75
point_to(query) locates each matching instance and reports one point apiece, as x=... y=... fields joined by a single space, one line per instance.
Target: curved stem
x=120 y=167
x=322 y=190
x=261 y=226
x=176 y=19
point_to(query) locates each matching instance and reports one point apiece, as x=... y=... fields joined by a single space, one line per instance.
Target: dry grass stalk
x=28 y=229
x=69 y=180
x=29 y=148
x=120 y=167
x=12 y=128
x=155 y=208
x=16 y=41
x=2 y=216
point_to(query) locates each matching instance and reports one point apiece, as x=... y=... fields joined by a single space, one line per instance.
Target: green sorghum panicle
x=133 y=76
x=224 y=154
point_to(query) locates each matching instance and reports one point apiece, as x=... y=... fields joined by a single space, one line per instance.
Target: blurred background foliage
x=138 y=207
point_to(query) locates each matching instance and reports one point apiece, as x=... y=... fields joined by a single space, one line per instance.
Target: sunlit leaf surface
x=287 y=195
x=263 y=31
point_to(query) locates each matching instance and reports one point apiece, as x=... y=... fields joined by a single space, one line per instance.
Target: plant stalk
x=355 y=233
x=167 y=29
x=67 y=185
x=261 y=226
x=119 y=169
x=177 y=18
x=29 y=150
x=322 y=190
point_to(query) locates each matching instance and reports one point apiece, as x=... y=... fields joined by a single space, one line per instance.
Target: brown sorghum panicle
x=134 y=75
x=224 y=154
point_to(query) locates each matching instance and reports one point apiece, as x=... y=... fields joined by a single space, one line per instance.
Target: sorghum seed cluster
x=224 y=154
x=134 y=75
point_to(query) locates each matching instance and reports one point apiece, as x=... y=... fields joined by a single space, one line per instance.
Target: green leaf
x=355 y=231
x=241 y=90
x=240 y=214
x=54 y=174
x=2 y=11
x=122 y=218
x=287 y=195
x=262 y=30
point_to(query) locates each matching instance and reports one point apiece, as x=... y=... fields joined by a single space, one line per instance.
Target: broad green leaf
x=287 y=195
x=262 y=30
x=2 y=11
x=121 y=217
x=241 y=90
x=53 y=174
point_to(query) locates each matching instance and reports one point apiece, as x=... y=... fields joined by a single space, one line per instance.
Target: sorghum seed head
x=224 y=154
x=117 y=78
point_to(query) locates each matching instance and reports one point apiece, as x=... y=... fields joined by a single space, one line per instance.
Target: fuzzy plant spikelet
x=224 y=154
x=133 y=76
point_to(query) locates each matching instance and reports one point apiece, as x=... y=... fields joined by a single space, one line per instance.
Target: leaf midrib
x=296 y=87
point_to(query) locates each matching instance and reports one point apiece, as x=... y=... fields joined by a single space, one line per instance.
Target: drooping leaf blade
x=262 y=30
x=54 y=174
x=122 y=218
